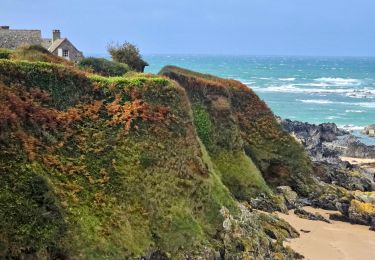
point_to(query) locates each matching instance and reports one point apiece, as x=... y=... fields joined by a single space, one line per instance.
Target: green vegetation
x=96 y=167
x=104 y=67
x=66 y=86
x=129 y=54
x=240 y=175
x=203 y=124
x=5 y=53
x=243 y=122
x=37 y=53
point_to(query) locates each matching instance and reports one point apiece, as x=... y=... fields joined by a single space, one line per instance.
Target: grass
x=5 y=53
x=103 y=67
x=36 y=53
x=240 y=175
x=203 y=124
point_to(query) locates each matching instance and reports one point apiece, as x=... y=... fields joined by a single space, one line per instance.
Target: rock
x=366 y=197
x=290 y=196
x=326 y=142
x=361 y=212
x=348 y=177
x=254 y=235
x=327 y=198
x=372 y=224
x=370 y=130
x=300 y=212
x=343 y=207
x=269 y=204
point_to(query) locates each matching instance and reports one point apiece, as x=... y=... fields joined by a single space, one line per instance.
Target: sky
x=250 y=27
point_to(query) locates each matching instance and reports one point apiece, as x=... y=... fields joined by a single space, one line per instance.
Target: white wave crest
x=339 y=81
x=293 y=88
x=287 y=79
x=354 y=111
x=366 y=104
x=316 y=101
x=351 y=127
x=325 y=101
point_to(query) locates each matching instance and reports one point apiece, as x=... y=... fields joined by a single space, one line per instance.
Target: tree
x=129 y=54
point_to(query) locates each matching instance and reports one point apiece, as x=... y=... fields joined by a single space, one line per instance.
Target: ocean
x=308 y=89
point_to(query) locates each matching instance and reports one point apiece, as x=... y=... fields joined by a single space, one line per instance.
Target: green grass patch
x=240 y=175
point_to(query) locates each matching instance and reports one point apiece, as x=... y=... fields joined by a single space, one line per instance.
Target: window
x=65 y=53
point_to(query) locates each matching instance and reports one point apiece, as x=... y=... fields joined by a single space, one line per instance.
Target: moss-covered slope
x=232 y=120
x=112 y=168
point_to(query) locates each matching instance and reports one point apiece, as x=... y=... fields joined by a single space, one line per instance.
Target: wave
x=354 y=111
x=366 y=104
x=351 y=127
x=263 y=78
x=339 y=81
x=287 y=79
x=316 y=101
x=293 y=88
x=326 y=101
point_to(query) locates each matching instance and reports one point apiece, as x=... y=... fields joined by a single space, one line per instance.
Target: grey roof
x=56 y=44
x=14 y=38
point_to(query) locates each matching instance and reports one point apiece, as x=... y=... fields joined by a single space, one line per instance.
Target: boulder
x=361 y=212
x=370 y=130
x=290 y=196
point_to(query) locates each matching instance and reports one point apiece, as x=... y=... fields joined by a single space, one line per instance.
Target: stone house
x=62 y=47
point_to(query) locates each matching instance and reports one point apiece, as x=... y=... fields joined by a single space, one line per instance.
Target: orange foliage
x=25 y=113
x=80 y=112
x=20 y=107
x=137 y=109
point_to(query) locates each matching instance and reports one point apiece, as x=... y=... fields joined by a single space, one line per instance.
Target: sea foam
x=339 y=81
x=287 y=79
x=316 y=101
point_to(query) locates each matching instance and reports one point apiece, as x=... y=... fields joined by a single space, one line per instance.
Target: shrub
x=66 y=86
x=104 y=67
x=129 y=54
x=5 y=53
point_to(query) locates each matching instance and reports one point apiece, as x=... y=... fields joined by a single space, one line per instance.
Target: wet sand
x=339 y=240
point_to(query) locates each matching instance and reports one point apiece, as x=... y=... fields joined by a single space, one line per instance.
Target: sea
x=340 y=90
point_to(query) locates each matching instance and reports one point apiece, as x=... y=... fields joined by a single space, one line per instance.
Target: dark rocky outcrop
x=308 y=215
x=326 y=143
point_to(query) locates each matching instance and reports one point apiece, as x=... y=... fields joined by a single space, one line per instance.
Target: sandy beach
x=338 y=240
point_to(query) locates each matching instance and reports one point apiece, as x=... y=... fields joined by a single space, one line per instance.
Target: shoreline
x=336 y=241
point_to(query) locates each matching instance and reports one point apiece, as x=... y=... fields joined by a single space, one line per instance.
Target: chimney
x=4 y=27
x=56 y=35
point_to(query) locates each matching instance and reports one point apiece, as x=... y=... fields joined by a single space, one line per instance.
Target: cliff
x=169 y=166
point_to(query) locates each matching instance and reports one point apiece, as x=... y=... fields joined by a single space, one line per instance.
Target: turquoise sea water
x=316 y=90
